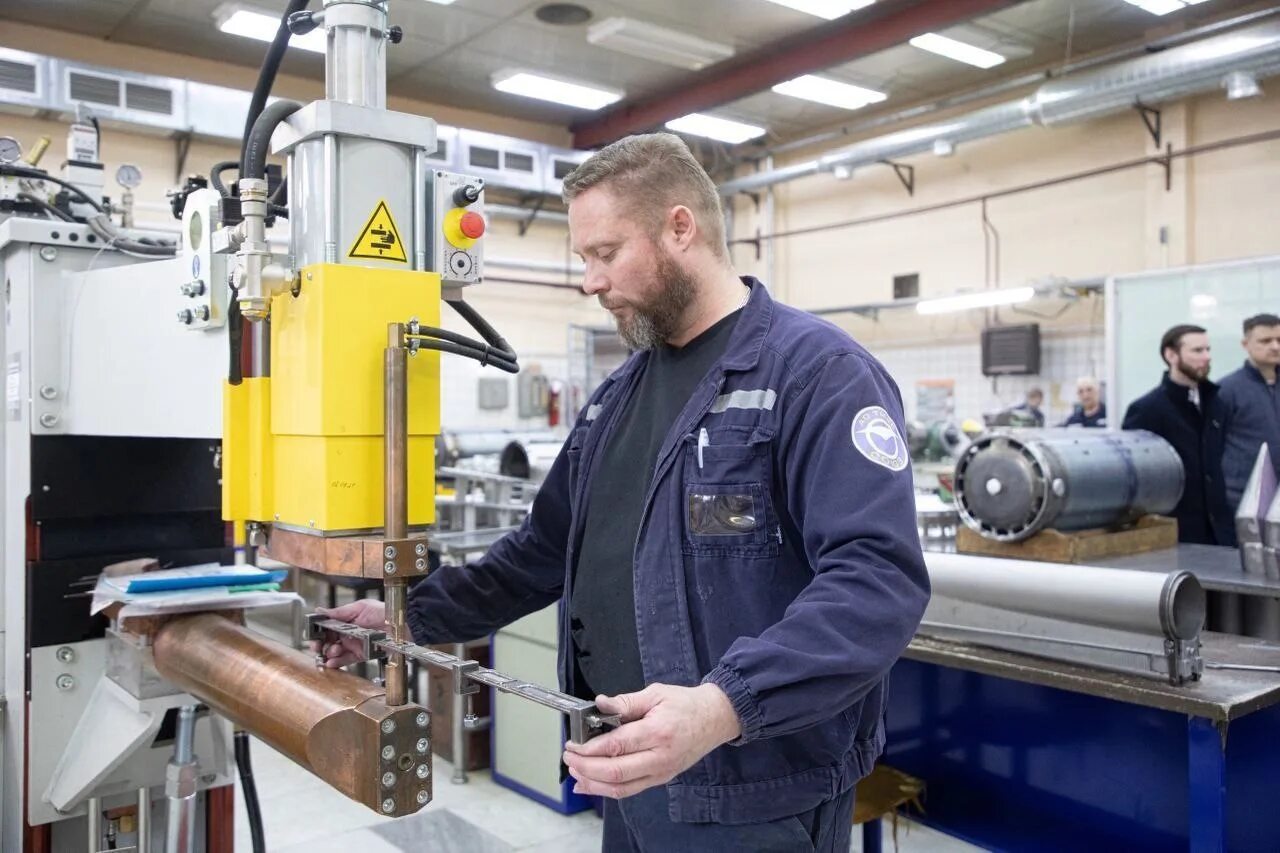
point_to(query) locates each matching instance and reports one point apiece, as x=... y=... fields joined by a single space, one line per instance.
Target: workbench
x=1023 y=753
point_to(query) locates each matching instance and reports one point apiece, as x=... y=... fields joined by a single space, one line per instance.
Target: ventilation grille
x=484 y=158
x=17 y=77
x=562 y=168
x=151 y=99
x=518 y=162
x=93 y=90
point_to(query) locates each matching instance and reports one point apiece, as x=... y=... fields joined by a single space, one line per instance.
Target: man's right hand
x=365 y=613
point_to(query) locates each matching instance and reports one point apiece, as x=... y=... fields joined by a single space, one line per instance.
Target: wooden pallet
x=1149 y=533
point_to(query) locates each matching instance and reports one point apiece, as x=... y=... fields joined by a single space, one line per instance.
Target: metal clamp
x=320 y=626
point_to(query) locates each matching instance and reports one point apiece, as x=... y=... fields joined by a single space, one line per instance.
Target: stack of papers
x=205 y=587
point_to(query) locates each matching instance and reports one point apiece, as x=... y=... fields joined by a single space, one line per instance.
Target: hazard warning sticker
x=379 y=239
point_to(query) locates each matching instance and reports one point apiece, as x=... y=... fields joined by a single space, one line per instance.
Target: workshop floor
x=303 y=815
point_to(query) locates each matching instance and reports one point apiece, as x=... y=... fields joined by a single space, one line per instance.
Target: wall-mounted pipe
x=1171 y=74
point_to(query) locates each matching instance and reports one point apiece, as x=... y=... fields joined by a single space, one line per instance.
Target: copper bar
x=396 y=512
x=332 y=723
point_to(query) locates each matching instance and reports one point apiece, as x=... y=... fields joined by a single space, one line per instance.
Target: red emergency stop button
x=472 y=225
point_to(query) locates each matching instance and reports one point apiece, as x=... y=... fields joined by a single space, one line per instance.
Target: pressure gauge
x=128 y=176
x=10 y=150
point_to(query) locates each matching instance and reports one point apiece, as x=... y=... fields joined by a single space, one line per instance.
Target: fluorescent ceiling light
x=649 y=41
x=557 y=91
x=711 y=127
x=261 y=26
x=1163 y=7
x=833 y=93
x=980 y=299
x=957 y=50
x=829 y=9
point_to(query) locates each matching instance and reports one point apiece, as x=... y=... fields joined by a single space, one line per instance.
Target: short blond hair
x=652 y=173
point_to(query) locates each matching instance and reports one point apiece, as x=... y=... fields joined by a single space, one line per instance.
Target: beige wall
x=1222 y=205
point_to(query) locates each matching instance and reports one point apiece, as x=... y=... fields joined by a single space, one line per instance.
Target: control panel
x=455 y=228
x=202 y=295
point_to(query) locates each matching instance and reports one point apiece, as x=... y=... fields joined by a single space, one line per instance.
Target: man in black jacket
x=1186 y=412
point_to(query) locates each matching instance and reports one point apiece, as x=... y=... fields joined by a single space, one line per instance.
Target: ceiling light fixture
x=957 y=50
x=239 y=21
x=722 y=129
x=650 y=41
x=529 y=85
x=829 y=9
x=824 y=90
x=979 y=299
x=1163 y=7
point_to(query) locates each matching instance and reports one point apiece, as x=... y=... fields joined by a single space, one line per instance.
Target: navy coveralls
x=797 y=614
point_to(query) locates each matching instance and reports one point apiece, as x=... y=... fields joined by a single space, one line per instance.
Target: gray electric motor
x=1010 y=485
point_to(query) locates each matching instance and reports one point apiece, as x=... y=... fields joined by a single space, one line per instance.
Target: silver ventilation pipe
x=1168 y=75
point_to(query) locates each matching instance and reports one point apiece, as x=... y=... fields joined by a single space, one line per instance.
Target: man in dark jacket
x=730 y=529
x=1090 y=411
x=1251 y=405
x=1186 y=412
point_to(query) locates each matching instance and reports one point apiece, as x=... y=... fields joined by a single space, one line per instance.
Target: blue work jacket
x=797 y=608
x=1251 y=417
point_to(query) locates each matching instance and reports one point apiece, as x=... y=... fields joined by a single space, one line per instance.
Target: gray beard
x=659 y=319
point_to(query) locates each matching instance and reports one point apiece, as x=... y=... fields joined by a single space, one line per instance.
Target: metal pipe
x=144 y=820
x=93 y=813
x=1171 y=605
x=180 y=787
x=330 y=722
x=396 y=493
x=1154 y=78
x=510 y=211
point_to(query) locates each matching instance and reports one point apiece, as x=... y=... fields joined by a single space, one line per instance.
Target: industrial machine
x=1012 y=484
x=318 y=452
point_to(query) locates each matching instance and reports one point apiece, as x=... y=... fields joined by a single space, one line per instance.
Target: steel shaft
x=396 y=512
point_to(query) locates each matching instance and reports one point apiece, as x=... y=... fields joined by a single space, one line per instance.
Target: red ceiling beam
x=858 y=34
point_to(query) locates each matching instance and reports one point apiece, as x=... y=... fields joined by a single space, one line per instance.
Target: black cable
x=267 y=78
x=97 y=134
x=463 y=340
x=250 y=789
x=49 y=209
x=215 y=176
x=235 y=338
x=254 y=164
x=280 y=195
x=455 y=349
x=481 y=325
x=471 y=349
x=38 y=175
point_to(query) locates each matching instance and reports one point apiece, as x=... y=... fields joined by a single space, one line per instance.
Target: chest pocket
x=726 y=502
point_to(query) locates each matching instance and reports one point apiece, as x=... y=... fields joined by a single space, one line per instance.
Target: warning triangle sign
x=379 y=239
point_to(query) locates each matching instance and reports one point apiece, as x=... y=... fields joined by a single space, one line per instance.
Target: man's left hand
x=665 y=731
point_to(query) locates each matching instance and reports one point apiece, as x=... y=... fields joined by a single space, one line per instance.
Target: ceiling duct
x=1171 y=74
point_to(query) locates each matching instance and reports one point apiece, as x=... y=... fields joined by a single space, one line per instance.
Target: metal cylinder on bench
x=1011 y=485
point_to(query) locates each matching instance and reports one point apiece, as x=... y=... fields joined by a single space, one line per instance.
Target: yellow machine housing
x=304 y=448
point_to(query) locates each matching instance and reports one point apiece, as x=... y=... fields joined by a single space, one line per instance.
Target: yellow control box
x=305 y=447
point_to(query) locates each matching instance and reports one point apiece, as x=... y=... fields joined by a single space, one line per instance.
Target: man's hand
x=665 y=731
x=365 y=613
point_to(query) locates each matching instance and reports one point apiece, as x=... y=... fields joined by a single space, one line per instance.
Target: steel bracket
x=320 y=626
x=1151 y=118
x=906 y=174
x=539 y=201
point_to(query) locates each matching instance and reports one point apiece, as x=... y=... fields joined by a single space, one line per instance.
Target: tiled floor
x=303 y=815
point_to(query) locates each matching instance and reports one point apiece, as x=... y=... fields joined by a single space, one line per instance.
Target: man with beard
x=730 y=528
x=1186 y=412
x=1251 y=405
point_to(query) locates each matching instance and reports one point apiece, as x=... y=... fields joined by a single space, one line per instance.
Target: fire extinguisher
x=553 y=403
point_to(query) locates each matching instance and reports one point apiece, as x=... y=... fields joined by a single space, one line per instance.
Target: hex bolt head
x=65 y=682
x=388 y=805
x=420 y=549
x=421 y=745
x=420 y=564
x=422 y=798
x=48 y=253
x=185 y=316
x=388 y=779
x=388 y=726
x=389 y=552
x=424 y=770
x=66 y=654
x=422 y=719
x=388 y=752
x=389 y=567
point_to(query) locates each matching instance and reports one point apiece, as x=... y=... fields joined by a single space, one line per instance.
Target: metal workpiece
x=1010 y=485
x=585 y=719
x=332 y=723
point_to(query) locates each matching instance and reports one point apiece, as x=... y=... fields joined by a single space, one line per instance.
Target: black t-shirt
x=602 y=607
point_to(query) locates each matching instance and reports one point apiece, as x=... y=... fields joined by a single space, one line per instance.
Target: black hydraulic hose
x=267 y=78
x=46 y=207
x=466 y=352
x=37 y=175
x=463 y=340
x=481 y=325
x=215 y=176
x=235 y=338
x=250 y=789
x=255 y=157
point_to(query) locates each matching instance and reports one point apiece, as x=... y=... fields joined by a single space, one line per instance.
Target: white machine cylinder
x=1172 y=605
x=356 y=52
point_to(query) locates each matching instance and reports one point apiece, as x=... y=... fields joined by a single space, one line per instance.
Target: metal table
x=1216 y=567
x=1023 y=753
